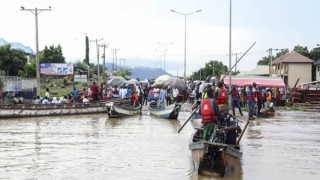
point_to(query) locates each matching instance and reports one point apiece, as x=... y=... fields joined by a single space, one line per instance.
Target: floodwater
x=286 y=147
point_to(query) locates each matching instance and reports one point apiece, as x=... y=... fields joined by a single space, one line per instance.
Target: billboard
x=56 y=69
x=80 y=78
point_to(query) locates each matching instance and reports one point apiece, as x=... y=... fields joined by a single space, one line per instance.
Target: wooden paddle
x=193 y=112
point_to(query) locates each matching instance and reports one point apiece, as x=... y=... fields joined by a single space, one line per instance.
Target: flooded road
x=145 y=147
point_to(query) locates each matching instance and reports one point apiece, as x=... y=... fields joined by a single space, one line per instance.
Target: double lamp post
x=185 y=38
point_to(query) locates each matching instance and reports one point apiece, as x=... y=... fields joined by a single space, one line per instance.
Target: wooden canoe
x=165 y=112
x=214 y=157
x=37 y=110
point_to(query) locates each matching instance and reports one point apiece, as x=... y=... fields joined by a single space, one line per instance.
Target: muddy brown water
x=144 y=147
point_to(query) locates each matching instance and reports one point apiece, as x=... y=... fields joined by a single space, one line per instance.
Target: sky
x=146 y=31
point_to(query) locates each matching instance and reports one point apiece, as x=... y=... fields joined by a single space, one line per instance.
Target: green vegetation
x=52 y=55
x=125 y=73
x=11 y=60
x=60 y=87
x=212 y=66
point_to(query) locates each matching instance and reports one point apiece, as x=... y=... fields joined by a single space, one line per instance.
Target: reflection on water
x=146 y=147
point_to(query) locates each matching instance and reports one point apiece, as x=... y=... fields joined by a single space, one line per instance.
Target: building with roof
x=291 y=67
x=317 y=64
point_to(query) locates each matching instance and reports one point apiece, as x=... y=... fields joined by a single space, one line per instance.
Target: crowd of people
x=252 y=96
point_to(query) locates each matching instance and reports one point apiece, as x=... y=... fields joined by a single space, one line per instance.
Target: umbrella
x=162 y=78
x=176 y=83
x=116 y=81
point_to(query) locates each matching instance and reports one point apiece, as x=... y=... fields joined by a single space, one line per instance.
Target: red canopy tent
x=259 y=80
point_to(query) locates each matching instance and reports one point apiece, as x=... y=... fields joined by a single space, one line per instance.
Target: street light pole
x=36 y=11
x=185 y=38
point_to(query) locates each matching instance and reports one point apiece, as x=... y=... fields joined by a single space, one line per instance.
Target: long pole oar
x=245 y=127
x=193 y=112
x=237 y=61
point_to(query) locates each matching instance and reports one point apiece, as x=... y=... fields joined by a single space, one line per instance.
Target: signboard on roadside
x=80 y=78
x=56 y=69
x=29 y=84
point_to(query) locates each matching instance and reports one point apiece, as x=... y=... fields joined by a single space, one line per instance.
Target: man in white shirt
x=47 y=94
x=175 y=93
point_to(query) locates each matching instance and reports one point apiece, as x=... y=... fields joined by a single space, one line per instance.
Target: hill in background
x=143 y=72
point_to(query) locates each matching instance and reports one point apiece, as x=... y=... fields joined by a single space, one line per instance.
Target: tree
x=123 y=72
x=212 y=68
x=11 y=60
x=266 y=59
x=314 y=55
x=86 y=59
x=52 y=55
x=302 y=50
x=82 y=66
x=29 y=70
x=95 y=69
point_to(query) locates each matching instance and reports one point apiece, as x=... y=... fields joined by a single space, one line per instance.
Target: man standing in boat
x=210 y=114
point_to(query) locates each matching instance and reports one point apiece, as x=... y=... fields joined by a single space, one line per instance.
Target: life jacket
x=204 y=95
x=207 y=112
x=259 y=96
x=269 y=96
x=235 y=93
x=221 y=98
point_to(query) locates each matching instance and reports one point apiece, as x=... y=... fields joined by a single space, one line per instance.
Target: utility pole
x=270 y=55
x=104 y=61
x=97 y=46
x=124 y=62
x=112 y=60
x=36 y=11
x=164 y=53
x=235 y=54
x=115 y=52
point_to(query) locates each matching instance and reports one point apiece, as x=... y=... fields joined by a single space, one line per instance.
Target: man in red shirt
x=95 y=91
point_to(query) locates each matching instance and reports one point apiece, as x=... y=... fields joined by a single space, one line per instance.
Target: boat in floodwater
x=37 y=110
x=166 y=112
x=218 y=154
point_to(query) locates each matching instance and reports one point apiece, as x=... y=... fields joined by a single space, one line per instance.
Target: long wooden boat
x=166 y=112
x=218 y=155
x=35 y=110
x=124 y=110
